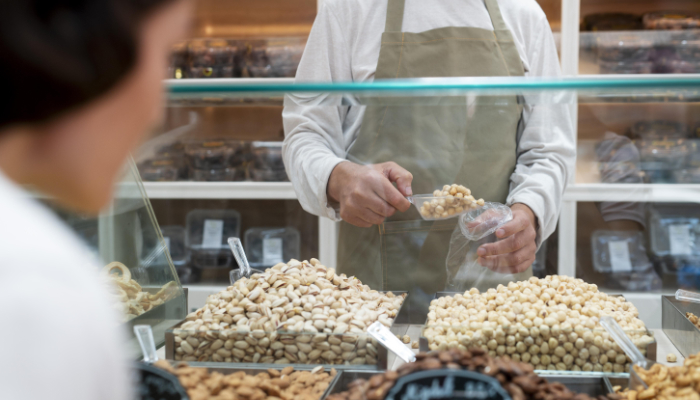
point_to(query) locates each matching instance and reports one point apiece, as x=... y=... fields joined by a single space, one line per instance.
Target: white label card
x=391 y=342
x=679 y=240
x=272 y=251
x=167 y=242
x=620 y=256
x=213 y=233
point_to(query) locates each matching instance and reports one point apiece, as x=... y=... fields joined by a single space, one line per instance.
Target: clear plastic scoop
x=244 y=270
x=684 y=295
x=626 y=344
x=144 y=334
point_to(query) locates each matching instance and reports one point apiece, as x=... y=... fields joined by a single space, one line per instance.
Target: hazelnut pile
x=451 y=200
x=285 y=384
x=551 y=323
x=517 y=378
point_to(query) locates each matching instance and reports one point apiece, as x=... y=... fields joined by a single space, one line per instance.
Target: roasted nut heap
x=517 y=378
x=286 y=384
x=693 y=319
x=453 y=200
x=551 y=323
x=131 y=300
x=299 y=312
x=668 y=383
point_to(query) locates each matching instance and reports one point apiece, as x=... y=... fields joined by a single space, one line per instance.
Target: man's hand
x=515 y=250
x=366 y=194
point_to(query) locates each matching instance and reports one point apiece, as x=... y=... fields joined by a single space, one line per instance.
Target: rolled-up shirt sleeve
x=313 y=124
x=546 y=146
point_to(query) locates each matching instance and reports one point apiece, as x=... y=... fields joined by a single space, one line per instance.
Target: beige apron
x=440 y=140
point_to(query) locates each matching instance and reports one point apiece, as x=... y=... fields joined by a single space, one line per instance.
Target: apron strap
x=394 y=16
x=495 y=13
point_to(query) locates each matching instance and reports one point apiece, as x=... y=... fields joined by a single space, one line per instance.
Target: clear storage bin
x=619 y=251
x=266 y=247
x=218 y=175
x=159 y=169
x=624 y=48
x=670 y=20
x=266 y=162
x=175 y=241
x=207 y=233
x=611 y=22
x=658 y=130
x=214 y=53
x=687 y=45
x=272 y=58
x=674 y=230
x=626 y=67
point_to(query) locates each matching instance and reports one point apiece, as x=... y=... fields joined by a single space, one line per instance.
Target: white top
x=344 y=46
x=61 y=339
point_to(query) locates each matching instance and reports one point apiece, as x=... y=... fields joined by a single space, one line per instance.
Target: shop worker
x=83 y=84
x=357 y=163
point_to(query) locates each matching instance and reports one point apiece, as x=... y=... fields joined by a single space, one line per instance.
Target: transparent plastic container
x=670 y=20
x=687 y=176
x=175 y=240
x=658 y=130
x=674 y=230
x=626 y=67
x=267 y=155
x=159 y=169
x=684 y=67
x=624 y=48
x=457 y=206
x=272 y=58
x=218 y=175
x=211 y=72
x=266 y=247
x=667 y=154
x=619 y=251
x=176 y=152
x=179 y=61
x=687 y=45
x=207 y=232
x=611 y=22
x=211 y=53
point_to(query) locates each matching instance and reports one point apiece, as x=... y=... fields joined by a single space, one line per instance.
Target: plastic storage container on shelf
x=624 y=48
x=218 y=175
x=175 y=241
x=674 y=230
x=658 y=130
x=179 y=59
x=266 y=247
x=207 y=233
x=684 y=67
x=215 y=58
x=611 y=22
x=626 y=67
x=670 y=20
x=619 y=251
x=687 y=45
x=267 y=163
x=159 y=169
x=272 y=57
x=660 y=158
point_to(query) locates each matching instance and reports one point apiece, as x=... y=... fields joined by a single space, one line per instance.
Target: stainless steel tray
x=682 y=333
x=423 y=341
x=590 y=385
x=226 y=370
x=382 y=352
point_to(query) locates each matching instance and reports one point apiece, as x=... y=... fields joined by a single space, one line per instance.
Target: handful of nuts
x=298 y=312
x=551 y=323
x=517 y=378
x=286 y=384
x=451 y=200
x=668 y=383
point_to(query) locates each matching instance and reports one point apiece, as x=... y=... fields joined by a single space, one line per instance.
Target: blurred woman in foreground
x=81 y=82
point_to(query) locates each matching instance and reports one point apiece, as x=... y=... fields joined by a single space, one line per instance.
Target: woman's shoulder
x=525 y=10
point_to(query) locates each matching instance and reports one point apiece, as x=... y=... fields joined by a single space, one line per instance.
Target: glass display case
x=126 y=237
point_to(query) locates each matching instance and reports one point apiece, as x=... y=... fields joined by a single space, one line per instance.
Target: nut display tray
x=364 y=344
x=591 y=385
x=682 y=333
x=424 y=345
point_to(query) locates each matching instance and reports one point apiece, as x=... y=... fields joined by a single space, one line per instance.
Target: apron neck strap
x=394 y=15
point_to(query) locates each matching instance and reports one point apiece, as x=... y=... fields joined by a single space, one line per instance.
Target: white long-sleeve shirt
x=61 y=337
x=344 y=46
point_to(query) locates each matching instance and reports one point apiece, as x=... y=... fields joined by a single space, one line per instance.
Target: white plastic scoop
x=685 y=295
x=144 y=334
x=244 y=270
x=626 y=344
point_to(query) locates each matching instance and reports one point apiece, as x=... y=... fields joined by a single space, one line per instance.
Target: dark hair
x=56 y=55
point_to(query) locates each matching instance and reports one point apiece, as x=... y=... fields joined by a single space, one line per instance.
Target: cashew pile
x=452 y=200
x=668 y=383
x=286 y=384
x=131 y=300
x=551 y=323
x=298 y=312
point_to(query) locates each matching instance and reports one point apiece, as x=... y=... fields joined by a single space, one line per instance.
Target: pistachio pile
x=285 y=384
x=298 y=312
x=517 y=378
x=451 y=200
x=551 y=323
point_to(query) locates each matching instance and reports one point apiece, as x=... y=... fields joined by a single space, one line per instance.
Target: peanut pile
x=451 y=200
x=298 y=312
x=551 y=323
x=668 y=383
x=286 y=384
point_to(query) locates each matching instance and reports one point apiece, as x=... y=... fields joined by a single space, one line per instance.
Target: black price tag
x=447 y=384
x=156 y=384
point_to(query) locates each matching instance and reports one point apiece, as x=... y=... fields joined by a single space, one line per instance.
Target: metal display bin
x=682 y=333
x=382 y=353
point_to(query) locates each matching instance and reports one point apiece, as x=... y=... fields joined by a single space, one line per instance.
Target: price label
x=167 y=242
x=620 y=256
x=679 y=240
x=272 y=251
x=447 y=384
x=213 y=233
